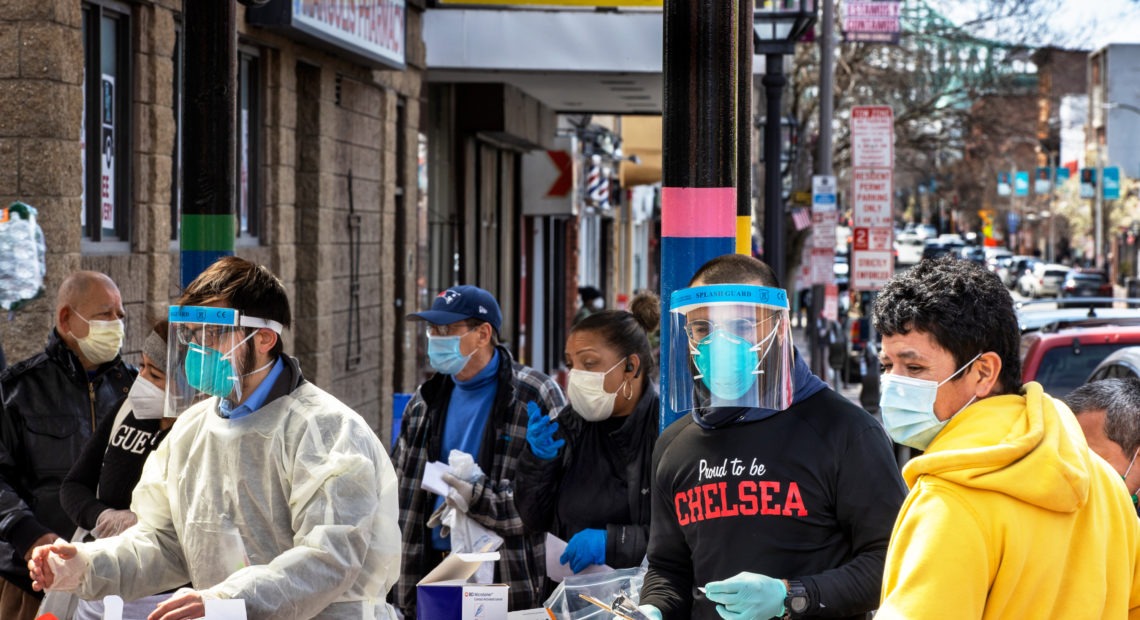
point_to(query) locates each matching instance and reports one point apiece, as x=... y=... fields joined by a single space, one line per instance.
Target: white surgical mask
x=148 y=401
x=587 y=393
x=907 y=405
x=103 y=339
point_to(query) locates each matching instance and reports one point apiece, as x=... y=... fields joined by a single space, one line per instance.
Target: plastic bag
x=22 y=256
x=467 y=535
x=566 y=604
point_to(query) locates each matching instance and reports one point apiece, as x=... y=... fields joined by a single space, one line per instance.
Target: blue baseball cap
x=462 y=302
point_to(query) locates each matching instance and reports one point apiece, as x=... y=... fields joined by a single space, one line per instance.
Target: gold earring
x=628 y=390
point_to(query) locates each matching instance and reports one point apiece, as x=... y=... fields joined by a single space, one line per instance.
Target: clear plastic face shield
x=731 y=346
x=205 y=356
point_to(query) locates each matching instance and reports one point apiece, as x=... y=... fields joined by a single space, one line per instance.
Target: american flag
x=801 y=217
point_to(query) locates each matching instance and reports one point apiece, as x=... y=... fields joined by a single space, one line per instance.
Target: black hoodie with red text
x=810 y=493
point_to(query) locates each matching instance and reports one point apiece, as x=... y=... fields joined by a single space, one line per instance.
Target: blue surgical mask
x=444 y=355
x=211 y=372
x=727 y=364
x=907 y=405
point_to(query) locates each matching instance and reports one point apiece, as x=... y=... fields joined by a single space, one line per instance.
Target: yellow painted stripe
x=744 y=235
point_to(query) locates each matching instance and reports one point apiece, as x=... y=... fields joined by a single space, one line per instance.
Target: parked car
x=1120 y=364
x=973 y=253
x=841 y=270
x=908 y=247
x=1043 y=281
x=1076 y=312
x=1061 y=358
x=1081 y=283
x=1017 y=267
x=938 y=249
x=922 y=231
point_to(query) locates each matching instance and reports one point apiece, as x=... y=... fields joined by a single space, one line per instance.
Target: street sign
x=1021 y=183
x=831 y=302
x=1042 y=184
x=823 y=265
x=1062 y=176
x=824 y=214
x=1111 y=183
x=871 y=192
x=871 y=270
x=875 y=239
x=871 y=21
x=1004 y=184
x=1088 y=182
x=823 y=193
x=872 y=136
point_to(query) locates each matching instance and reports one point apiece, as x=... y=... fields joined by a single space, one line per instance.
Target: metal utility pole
x=824 y=165
x=209 y=30
x=699 y=193
x=744 y=129
x=1098 y=206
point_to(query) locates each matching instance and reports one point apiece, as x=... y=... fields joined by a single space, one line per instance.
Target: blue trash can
x=399 y=403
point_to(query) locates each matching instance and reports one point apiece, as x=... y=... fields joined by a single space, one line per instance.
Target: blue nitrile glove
x=585 y=548
x=747 y=596
x=540 y=433
x=651 y=611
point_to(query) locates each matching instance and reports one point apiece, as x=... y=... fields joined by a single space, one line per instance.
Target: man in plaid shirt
x=477 y=403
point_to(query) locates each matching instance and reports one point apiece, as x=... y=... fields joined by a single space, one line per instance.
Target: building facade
x=327 y=191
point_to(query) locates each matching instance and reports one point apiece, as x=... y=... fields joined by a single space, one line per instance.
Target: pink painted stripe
x=698 y=212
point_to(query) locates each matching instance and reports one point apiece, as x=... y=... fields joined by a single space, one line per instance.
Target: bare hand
x=38 y=568
x=46 y=539
x=185 y=603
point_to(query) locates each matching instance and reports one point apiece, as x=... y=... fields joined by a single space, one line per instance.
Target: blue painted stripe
x=195 y=262
x=680 y=259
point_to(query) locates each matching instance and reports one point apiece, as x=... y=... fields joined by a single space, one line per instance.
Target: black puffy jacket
x=50 y=408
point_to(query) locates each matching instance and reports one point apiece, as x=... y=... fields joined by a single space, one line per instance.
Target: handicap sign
x=1003 y=184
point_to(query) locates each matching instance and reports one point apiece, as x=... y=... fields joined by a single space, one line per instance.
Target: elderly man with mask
x=476 y=403
x=52 y=403
x=1109 y=414
x=774 y=494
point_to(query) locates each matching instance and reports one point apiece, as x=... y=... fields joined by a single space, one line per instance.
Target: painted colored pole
x=208 y=134
x=744 y=128
x=698 y=197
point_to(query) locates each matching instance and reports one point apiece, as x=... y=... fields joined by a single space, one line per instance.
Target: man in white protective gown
x=267 y=490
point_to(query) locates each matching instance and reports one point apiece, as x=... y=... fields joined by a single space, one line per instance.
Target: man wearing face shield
x=52 y=403
x=775 y=494
x=476 y=403
x=267 y=489
x=1010 y=514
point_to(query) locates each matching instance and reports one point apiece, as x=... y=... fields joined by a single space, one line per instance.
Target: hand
x=540 y=433
x=56 y=566
x=112 y=522
x=747 y=595
x=46 y=539
x=461 y=494
x=651 y=611
x=585 y=548
x=185 y=603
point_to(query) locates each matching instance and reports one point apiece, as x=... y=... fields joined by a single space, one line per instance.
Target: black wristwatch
x=796 y=602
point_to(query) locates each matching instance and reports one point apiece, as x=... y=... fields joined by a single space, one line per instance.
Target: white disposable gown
x=292 y=508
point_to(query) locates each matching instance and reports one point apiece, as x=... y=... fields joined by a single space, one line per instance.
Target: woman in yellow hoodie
x=1010 y=515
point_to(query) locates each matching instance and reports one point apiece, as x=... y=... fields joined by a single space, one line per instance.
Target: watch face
x=799 y=604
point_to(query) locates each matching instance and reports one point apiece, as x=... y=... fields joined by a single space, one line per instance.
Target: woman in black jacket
x=585 y=477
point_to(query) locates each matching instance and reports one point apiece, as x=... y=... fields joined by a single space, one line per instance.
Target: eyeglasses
x=744 y=328
x=447 y=330
x=202 y=334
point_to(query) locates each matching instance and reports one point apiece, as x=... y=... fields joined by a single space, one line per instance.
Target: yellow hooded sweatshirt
x=1010 y=515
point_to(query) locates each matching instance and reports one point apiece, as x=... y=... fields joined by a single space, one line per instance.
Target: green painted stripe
x=208 y=232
